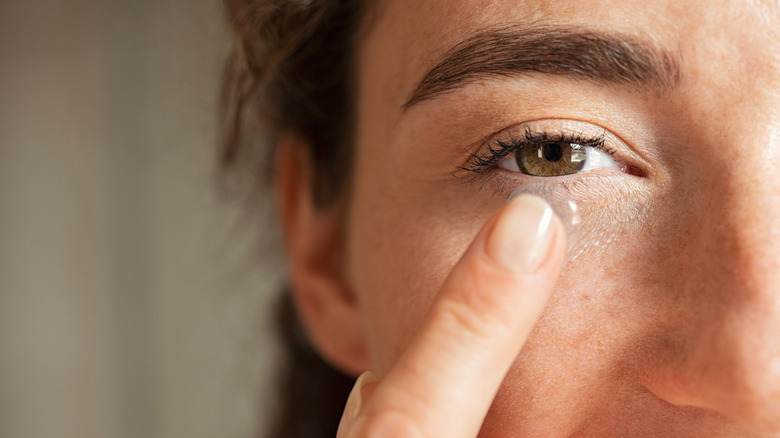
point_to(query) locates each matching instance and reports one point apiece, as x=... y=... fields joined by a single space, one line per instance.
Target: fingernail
x=522 y=237
x=356 y=400
x=358 y=392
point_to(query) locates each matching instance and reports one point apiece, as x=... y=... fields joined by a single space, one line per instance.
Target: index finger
x=445 y=381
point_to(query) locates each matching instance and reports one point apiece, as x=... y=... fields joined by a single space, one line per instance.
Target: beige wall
x=126 y=309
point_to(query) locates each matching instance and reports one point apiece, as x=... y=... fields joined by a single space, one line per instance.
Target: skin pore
x=667 y=322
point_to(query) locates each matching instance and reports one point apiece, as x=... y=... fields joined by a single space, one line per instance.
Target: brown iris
x=551 y=158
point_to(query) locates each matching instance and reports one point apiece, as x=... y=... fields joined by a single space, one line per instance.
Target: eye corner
x=634 y=171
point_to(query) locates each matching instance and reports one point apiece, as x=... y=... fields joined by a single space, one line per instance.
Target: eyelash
x=480 y=164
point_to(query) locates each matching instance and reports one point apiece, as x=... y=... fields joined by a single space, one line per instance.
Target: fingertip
x=524 y=234
x=364 y=386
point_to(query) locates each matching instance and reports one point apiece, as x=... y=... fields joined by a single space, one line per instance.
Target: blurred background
x=133 y=301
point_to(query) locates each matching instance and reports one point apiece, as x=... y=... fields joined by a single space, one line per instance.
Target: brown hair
x=292 y=72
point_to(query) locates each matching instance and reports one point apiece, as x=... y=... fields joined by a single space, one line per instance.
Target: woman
x=398 y=130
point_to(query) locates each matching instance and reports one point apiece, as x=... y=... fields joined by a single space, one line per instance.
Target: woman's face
x=666 y=319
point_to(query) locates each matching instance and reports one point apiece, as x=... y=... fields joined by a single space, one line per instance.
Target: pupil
x=552 y=152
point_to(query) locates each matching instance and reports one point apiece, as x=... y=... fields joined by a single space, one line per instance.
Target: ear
x=314 y=244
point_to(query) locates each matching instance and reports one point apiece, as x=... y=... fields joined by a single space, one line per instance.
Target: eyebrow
x=575 y=53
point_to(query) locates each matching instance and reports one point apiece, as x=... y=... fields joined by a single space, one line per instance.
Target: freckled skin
x=672 y=329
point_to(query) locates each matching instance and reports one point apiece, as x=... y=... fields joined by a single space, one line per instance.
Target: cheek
x=404 y=239
x=402 y=246
x=585 y=353
x=608 y=319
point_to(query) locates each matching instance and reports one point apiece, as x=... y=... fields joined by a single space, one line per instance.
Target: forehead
x=722 y=44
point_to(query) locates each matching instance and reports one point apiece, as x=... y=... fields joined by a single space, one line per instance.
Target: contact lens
x=561 y=202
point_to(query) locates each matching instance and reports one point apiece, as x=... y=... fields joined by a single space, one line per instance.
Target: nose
x=724 y=354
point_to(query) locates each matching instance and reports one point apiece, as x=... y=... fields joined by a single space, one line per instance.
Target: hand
x=445 y=381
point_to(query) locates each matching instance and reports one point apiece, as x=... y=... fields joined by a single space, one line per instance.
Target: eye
x=547 y=157
x=553 y=148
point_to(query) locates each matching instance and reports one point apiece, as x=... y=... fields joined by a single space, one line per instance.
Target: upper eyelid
x=531 y=136
x=571 y=128
x=554 y=134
